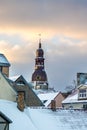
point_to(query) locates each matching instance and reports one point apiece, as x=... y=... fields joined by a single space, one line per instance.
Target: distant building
x=46 y=98
x=81 y=78
x=39 y=77
x=4 y=65
x=24 y=88
x=82 y=90
x=77 y=99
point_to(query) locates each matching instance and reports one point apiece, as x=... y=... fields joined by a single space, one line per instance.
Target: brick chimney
x=20 y=101
x=53 y=105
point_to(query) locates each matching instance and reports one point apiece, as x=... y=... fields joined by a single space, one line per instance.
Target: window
x=20 y=83
x=82 y=93
x=85 y=106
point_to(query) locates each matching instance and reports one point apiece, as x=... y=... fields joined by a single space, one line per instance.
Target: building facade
x=77 y=99
x=46 y=98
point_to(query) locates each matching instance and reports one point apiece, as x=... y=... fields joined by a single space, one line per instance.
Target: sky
x=63 y=28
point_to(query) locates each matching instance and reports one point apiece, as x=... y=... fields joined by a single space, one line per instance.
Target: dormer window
x=21 y=83
x=82 y=93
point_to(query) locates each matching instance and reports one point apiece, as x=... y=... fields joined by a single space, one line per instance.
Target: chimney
x=20 y=101
x=53 y=105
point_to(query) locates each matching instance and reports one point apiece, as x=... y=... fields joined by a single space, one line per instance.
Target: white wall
x=6 y=91
x=75 y=105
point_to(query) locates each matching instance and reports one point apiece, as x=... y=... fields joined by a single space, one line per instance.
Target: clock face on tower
x=38 y=77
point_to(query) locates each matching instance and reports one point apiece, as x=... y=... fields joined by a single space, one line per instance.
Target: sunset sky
x=63 y=28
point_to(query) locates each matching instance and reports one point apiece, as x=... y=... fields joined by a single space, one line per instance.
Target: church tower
x=39 y=77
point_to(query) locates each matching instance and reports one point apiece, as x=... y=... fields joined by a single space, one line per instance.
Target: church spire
x=39 y=40
x=39 y=76
x=39 y=45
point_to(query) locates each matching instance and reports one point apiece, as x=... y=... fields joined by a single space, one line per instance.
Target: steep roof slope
x=47 y=97
x=43 y=119
x=31 y=98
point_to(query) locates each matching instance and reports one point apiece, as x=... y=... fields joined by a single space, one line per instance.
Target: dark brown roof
x=31 y=98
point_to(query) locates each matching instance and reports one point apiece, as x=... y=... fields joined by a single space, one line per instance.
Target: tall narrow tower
x=39 y=77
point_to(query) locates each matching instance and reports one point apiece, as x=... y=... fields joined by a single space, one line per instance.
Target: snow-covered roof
x=47 y=97
x=14 y=78
x=82 y=85
x=5 y=117
x=43 y=119
x=3 y=60
x=73 y=98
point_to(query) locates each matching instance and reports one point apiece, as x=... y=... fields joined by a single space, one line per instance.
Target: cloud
x=17 y=53
x=63 y=25
x=64 y=57
x=66 y=17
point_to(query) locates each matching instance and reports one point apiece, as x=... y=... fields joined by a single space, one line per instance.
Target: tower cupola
x=39 y=51
x=39 y=77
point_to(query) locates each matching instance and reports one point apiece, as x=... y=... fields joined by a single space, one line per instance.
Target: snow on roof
x=43 y=119
x=47 y=97
x=41 y=91
x=14 y=78
x=73 y=98
x=82 y=85
x=20 y=121
x=3 y=60
x=5 y=117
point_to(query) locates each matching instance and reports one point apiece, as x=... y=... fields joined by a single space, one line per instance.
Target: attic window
x=20 y=83
x=82 y=93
